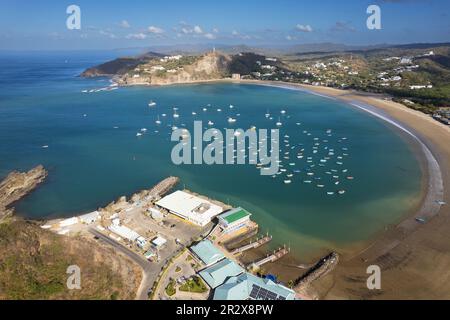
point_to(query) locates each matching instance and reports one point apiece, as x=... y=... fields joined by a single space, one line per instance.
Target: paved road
x=149 y=270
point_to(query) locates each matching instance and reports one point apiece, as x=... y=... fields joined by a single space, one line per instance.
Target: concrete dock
x=253 y=245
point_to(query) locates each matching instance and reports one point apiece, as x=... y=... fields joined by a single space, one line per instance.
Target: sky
x=41 y=25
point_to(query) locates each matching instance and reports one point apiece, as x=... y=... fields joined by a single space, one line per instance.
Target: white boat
x=144 y=130
x=45 y=146
x=283 y=111
x=219 y=110
x=204 y=109
x=152 y=103
x=341 y=191
x=210 y=123
x=307 y=181
x=287 y=181
x=320 y=186
x=194 y=113
x=158 y=121
x=290 y=175
x=138 y=134
x=176 y=115
x=231 y=106
x=330 y=193
x=231 y=120
x=279 y=123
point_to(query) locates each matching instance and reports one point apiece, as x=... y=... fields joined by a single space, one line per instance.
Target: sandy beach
x=413 y=257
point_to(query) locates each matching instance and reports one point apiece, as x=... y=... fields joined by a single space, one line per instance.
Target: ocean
x=87 y=141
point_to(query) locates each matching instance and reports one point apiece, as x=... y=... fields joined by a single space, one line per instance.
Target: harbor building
x=249 y=287
x=190 y=207
x=234 y=220
x=207 y=253
x=218 y=273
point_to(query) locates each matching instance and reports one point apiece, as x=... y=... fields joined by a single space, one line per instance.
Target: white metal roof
x=190 y=207
x=124 y=232
x=159 y=241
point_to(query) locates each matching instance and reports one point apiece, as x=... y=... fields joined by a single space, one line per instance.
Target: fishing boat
x=152 y=103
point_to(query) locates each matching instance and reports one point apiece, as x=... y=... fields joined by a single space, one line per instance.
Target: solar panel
x=259 y=293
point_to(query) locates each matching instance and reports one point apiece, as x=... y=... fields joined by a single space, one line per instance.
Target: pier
x=163 y=187
x=320 y=269
x=254 y=244
x=276 y=255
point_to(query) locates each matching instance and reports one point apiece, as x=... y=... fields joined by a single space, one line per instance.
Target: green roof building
x=234 y=220
x=218 y=273
x=207 y=253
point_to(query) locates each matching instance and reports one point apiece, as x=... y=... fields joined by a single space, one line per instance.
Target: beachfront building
x=190 y=207
x=218 y=273
x=207 y=253
x=125 y=232
x=249 y=287
x=234 y=220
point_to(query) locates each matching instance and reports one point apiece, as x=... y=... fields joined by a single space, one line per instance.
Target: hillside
x=33 y=264
x=417 y=75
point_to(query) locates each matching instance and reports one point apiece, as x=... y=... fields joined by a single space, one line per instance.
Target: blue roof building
x=218 y=273
x=249 y=287
x=207 y=252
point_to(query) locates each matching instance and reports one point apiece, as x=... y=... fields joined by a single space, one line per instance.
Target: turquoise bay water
x=91 y=162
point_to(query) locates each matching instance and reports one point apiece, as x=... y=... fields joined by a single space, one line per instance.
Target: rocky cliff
x=18 y=184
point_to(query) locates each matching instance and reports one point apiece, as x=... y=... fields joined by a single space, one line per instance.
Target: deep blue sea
x=94 y=156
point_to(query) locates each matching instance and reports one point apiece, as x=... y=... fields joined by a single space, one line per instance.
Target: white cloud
x=234 y=33
x=304 y=28
x=215 y=30
x=198 y=30
x=108 y=34
x=138 y=36
x=155 y=30
x=290 y=38
x=124 y=24
x=210 y=36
